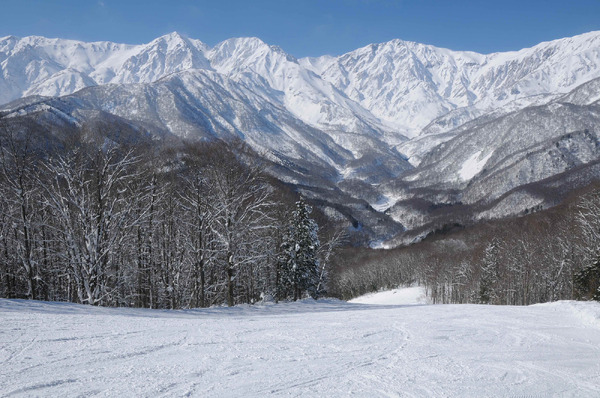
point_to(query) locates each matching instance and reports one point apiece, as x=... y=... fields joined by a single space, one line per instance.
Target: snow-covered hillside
x=409 y=84
x=37 y=65
x=373 y=96
x=401 y=296
x=326 y=348
x=394 y=89
x=396 y=127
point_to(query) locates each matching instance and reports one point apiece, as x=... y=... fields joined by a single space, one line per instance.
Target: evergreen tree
x=298 y=262
x=489 y=274
x=587 y=282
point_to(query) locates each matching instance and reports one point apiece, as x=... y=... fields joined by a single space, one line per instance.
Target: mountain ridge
x=390 y=123
x=408 y=85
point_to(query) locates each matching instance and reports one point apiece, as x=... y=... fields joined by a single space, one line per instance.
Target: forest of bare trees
x=546 y=256
x=201 y=224
x=120 y=225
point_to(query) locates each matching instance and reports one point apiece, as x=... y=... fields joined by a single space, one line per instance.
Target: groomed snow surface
x=402 y=296
x=326 y=348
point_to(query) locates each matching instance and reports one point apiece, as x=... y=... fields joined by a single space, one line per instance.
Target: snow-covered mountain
x=52 y=67
x=505 y=165
x=395 y=88
x=55 y=67
x=361 y=121
x=407 y=84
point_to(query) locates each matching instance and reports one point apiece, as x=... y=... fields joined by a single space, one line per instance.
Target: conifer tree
x=587 y=281
x=489 y=273
x=298 y=261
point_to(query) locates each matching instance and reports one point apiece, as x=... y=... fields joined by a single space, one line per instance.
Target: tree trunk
x=230 y=279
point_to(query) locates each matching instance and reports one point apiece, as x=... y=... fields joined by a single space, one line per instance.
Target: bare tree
x=89 y=196
x=330 y=243
x=242 y=216
x=18 y=165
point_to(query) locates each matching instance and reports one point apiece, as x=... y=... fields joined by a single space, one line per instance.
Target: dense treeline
x=546 y=256
x=91 y=221
x=119 y=225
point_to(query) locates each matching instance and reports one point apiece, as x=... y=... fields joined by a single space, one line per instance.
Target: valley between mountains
x=395 y=139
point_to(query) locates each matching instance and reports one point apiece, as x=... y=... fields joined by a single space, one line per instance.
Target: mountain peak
x=402 y=83
x=177 y=41
x=172 y=39
x=173 y=36
x=9 y=37
x=247 y=52
x=251 y=43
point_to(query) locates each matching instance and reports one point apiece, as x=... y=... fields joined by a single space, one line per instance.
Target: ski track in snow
x=325 y=348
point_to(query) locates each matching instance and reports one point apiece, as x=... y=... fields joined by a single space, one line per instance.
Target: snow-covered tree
x=241 y=220
x=489 y=273
x=330 y=243
x=299 y=263
x=18 y=168
x=587 y=281
x=89 y=197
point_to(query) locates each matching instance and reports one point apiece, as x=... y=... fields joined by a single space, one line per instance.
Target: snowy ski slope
x=327 y=348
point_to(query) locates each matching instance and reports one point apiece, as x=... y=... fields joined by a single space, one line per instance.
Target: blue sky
x=308 y=27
